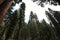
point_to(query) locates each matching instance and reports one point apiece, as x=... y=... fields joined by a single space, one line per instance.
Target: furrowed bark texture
x=4 y=8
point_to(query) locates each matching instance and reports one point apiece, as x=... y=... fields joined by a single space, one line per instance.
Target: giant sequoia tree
x=5 y=5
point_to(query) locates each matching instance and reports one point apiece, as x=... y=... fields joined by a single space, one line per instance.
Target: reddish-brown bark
x=4 y=8
x=1 y=1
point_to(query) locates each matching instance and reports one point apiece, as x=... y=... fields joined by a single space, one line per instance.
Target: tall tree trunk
x=1 y=1
x=4 y=8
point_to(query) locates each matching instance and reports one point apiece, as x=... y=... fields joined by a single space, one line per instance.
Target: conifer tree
x=12 y=24
x=33 y=27
x=20 y=21
x=53 y=17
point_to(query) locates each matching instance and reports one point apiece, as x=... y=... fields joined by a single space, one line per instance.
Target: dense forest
x=14 y=27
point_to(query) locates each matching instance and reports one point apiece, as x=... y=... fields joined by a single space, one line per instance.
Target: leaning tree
x=5 y=5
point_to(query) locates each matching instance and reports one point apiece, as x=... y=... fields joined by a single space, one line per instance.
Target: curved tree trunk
x=4 y=8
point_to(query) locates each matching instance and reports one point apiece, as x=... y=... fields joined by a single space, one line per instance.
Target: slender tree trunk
x=4 y=8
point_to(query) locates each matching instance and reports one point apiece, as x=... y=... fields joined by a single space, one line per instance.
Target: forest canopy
x=14 y=27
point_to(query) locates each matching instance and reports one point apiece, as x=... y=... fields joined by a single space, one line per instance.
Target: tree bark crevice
x=4 y=8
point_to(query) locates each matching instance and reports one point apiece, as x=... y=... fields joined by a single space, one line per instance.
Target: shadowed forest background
x=14 y=27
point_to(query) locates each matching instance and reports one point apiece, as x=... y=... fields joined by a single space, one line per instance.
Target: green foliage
x=14 y=27
x=50 y=2
x=12 y=23
x=54 y=17
x=21 y=15
x=17 y=1
x=17 y=29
